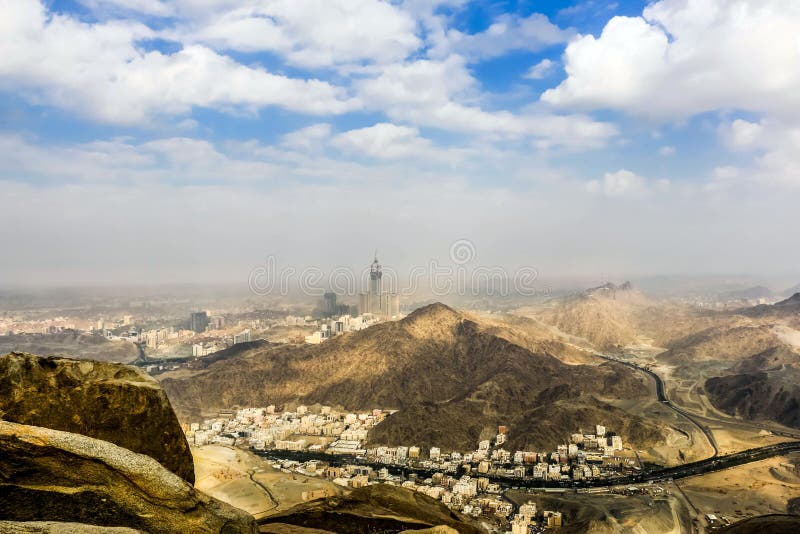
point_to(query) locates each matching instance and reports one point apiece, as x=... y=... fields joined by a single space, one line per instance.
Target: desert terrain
x=246 y=481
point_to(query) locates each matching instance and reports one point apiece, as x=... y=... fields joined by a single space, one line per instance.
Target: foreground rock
x=377 y=508
x=107 y=401
x=50 y=475
x=52 y=527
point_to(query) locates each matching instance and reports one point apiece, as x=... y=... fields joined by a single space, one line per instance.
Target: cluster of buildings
x=526 y=518
x=471 y=482
x=346 y=323
x=374 y=305
x=584 y=457
x=324 y=430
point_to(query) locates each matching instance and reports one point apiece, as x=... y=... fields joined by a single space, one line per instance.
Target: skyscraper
x=198 y=322
x=329 y=303
x=375 y=300
x=375 y=286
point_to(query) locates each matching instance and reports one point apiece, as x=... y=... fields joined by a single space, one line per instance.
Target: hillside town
x=322 y=442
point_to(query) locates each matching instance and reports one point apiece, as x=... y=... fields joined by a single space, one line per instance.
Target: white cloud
x=392 y=142
x=541 y=70
x=308 y=33
x=506 y=33
x=667 y=150
x=441 y=94
x=742 y=135
x=158 y=8
x=308 y=138
x=683 y=57
x=383 y=140
x=774 y=145
x=177 y=160
x=625 y=183
x=98 y=70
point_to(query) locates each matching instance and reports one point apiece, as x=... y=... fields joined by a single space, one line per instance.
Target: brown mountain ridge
x=450 y=379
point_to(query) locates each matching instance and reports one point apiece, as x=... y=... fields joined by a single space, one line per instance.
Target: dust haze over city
x=392 y=266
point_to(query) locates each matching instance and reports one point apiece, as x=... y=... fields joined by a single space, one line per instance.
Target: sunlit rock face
x=54 y=476
x=107 y=401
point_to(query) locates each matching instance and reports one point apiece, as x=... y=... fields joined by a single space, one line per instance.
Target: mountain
x=536 y=336
x=107 y=401
x=789 y=306
x=762 y=386
x=750 y=293
x=609 y=289
x=604 y=315
x=451 y=380
x=773 y=524
x=377 y=508
x=726 y=341
x=792 y=290
x=758 y=396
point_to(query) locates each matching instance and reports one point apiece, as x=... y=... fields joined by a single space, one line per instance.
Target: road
x=661 y=394
x=709 y=465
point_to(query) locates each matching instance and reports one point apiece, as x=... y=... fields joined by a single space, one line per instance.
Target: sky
x=158 y=141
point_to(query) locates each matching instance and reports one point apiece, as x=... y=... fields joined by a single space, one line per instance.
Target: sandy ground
x=246 y=481
x=788 y=335
x=606 y=513
x=748 y=490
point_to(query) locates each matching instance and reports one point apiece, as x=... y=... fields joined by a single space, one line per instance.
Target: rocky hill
x=50 y=475
x=451 y=379
x=773 y=395
x=729 y=341
x=379 y=508
x=604 y=315
x=107 y=401
x=773 y=524
x=87 y=445
x=785 y=309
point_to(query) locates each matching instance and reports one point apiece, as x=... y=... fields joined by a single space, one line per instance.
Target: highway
x=661 y=394
x=701 y=467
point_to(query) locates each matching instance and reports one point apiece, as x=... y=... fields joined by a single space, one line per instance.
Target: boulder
x=107 y=401
x=54 y=527
x=55 y=476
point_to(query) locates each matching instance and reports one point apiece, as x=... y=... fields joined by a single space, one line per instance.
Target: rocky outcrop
x=55 y=476
x=54 y=527
x=107 y=401
x=376 y=508
x=758 y=396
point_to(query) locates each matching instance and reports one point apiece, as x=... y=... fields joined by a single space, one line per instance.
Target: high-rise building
x=375 y=300
x=375 y=282
x=390 y=305
x=198 y=322
x=329 y=304
x=242 y=337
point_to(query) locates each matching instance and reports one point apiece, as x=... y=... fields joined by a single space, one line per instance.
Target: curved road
x=661 y=393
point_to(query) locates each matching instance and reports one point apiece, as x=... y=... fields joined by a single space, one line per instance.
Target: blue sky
x=581 y=137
